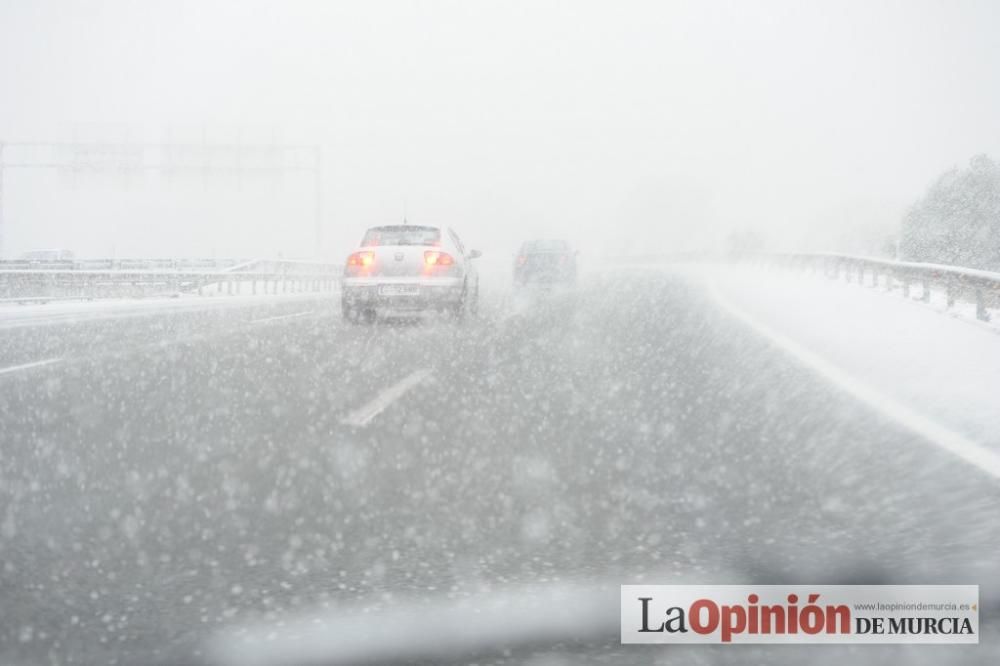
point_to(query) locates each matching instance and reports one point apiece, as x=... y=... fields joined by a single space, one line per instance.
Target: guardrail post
x=981 y=312
x=950 y=291
x=925 y=296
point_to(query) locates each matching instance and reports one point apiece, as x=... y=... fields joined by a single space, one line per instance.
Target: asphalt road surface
x=167 y=474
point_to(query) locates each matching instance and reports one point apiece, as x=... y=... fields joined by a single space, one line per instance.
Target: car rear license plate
x=399 y=290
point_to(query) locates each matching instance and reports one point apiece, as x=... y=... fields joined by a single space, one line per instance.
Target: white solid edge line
x=364 y=414
x=926 y=428
x=287 y=316
x=27 y=366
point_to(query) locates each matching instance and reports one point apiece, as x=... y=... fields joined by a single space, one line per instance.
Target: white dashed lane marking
x=28 y=366
x=279 y=317
x=364 y=414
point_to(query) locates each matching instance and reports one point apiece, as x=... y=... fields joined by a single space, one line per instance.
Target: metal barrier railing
x=958 y=284
x=254 y=277
x=181 y=264
x=115 y=264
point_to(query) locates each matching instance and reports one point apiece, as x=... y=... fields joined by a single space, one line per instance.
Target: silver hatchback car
x=409 y=269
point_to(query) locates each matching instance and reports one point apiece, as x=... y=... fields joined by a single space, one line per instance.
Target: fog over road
x=170 y=473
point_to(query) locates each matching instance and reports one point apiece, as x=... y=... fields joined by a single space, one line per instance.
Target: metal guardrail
x=959 y=284
x=258 y=276
x=186 y=264
x=107 y=264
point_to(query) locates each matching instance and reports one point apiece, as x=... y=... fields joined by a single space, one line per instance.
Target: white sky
x=655 y=125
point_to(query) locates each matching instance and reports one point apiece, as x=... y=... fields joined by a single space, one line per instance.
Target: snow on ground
x=943 y=367
x=13 y=314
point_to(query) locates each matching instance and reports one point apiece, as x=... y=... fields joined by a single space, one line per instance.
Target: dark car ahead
x=545 y=263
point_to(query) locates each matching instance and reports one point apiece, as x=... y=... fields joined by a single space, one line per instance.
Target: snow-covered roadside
x=940 y=366
x=12 y=314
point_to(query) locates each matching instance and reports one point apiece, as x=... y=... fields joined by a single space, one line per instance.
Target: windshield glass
x=543 y=332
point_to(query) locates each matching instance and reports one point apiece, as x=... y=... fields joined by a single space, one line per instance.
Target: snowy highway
x=548 y=333
x=171 y=472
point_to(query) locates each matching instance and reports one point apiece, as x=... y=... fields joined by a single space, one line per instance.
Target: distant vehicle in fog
x=410 y=269
x=545 y=263
x=48 y=255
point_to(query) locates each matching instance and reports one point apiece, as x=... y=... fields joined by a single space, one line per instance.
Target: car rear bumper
x=426 y=294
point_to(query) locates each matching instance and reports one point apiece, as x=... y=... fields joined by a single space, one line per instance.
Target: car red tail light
x=436 y=258
x=522 y=260
x=361 y=260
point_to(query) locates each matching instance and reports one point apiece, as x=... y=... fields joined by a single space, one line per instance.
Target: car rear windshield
x=402 y=235
x=546 y=246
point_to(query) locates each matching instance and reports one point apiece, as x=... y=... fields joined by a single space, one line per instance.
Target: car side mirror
x=475 y=254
